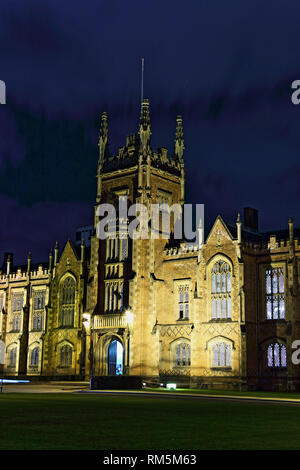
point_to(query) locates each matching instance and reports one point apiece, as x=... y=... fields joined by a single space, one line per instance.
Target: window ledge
x=220 y=320
x=225 y=369
x=275 y=320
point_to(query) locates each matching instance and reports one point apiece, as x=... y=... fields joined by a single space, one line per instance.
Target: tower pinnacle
x=103 y=139
x=179 y=142
x=145 y=130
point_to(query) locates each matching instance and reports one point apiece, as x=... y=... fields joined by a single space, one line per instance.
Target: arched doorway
x=115 y=358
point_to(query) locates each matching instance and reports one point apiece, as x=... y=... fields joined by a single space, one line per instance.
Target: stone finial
x=291 y=238
x=239 y=228
x=56 y=253
x=179 y=141
x=82 y=248
x=145 y=128
x=29 y=258
x=200 y=233
x=50 y=259
x=103 y=139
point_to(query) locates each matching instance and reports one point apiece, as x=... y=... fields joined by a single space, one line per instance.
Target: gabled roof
x=219 y=220
x=75 y=249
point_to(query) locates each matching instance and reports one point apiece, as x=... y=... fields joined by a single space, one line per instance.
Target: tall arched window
x=221 y=355
x=66 y=355
x=38 y=309
x=221 y=291
x=183 y=354
x=275 y=301
x=183 y=302
x=34 y=357
x=13 y=357
x=68 y=301
x=276 y=355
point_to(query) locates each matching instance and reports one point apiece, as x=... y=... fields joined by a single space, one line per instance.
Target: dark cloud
x=11 y=144
x=226 y=67
x=35 y=228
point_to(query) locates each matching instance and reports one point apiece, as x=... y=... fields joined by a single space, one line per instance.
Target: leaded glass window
x=68 y=302
x=39 y=300
x=13 y=357
x=183 y=302
x=276 y=355
x=221 y=355
x=37 y=323
x=114 y=294
x=38 y=309
x=34 y=357
x=221 y=291
x=17 y=306
x=275 y=300
x=183 y=354
x=66 y=356
x=17 y=302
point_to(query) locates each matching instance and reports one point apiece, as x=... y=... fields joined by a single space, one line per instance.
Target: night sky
x=226 y=67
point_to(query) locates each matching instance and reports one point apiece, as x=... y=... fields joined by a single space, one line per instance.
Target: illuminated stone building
x=222 y=312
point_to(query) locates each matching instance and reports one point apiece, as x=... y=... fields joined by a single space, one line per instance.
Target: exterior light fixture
x=86 y=319
x=171 y=386
x=129 y=316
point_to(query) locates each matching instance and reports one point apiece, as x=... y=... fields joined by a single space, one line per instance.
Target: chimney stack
x=251 y=218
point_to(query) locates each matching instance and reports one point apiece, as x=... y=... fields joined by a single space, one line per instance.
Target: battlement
x=183 y=249
x=19 y=275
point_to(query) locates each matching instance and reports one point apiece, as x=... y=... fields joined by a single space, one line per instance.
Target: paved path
x=51 y=387
x=196 y=396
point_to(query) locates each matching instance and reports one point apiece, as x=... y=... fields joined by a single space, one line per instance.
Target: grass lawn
x=83 y=421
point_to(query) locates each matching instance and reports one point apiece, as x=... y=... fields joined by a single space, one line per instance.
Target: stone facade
x=222 y=312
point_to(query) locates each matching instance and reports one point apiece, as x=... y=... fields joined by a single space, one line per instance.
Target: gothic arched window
x=276 y=355
x=34 y=357
x=183 y=354
x=66 y=356
x=38 y=309
x=220 y=291
x=183 y=302
x=68 y=301
x=13 y=357
x=275 y=303
x=221 y=355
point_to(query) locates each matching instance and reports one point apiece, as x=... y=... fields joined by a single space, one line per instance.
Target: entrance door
x=115 y=358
